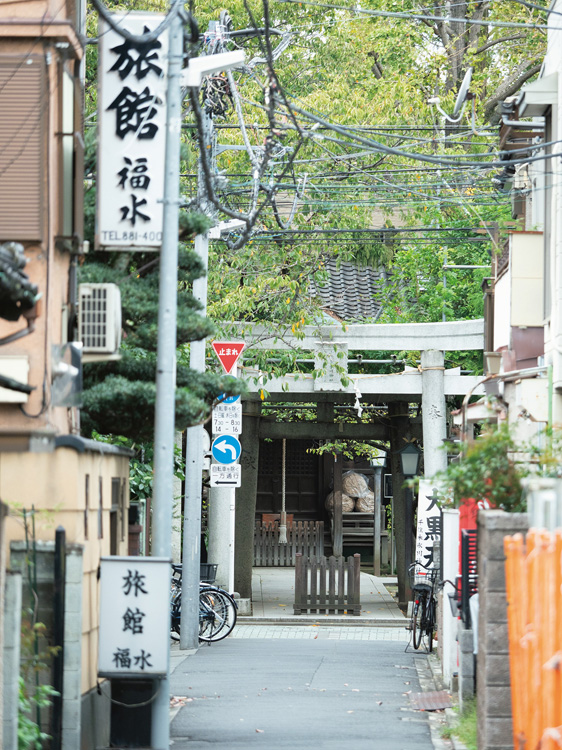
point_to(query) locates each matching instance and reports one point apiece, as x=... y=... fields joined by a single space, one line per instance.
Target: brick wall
x=493 y=679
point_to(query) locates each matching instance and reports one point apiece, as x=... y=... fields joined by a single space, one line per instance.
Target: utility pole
x=166 y=358
x=191 y=557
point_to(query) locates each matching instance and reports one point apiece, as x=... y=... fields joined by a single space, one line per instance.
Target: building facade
x=49 y=475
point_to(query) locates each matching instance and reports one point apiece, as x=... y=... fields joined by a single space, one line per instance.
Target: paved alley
x=299 y=687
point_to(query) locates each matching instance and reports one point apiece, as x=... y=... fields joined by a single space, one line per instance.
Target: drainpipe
x=550 y=399
x=58 y=637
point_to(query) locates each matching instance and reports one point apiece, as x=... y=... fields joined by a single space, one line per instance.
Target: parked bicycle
x=217 y=609
x=424 y=609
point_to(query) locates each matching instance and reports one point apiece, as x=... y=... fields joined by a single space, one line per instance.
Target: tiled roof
x=351 y=292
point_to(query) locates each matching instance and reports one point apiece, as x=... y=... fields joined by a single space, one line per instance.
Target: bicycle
x=424 y=610
x=217 y=609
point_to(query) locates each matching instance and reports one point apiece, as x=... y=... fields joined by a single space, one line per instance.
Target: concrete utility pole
x=166 y=358
x=191 y=558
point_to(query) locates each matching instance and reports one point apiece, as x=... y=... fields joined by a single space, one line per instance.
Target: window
x=100 y=510
x=71 y=155
x=114 y=515
x=86 y=504
x=24 y=104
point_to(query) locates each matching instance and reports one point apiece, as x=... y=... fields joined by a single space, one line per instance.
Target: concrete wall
x=55 y=485
x=11 y=661
x=448 y=633
x=493 y=678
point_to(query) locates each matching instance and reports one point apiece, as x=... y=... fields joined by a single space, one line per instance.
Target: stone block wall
x=493 y=678
x=44 y=558
x=466 y=665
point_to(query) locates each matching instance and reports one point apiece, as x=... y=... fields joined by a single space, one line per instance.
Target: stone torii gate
x=431 y=383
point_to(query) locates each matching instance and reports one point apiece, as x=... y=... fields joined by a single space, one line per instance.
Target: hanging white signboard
x=131 y=135
x=134 y=619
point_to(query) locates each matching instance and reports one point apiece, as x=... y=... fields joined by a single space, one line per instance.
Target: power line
x=425 y=17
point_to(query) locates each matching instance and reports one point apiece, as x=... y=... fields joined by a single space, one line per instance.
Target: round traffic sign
x=226 y=449
x=223 y=399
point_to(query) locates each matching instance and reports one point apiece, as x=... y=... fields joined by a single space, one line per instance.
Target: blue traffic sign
x=223 y=399
x=226 y=449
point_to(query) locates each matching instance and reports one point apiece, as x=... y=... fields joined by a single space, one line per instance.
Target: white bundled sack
x=347 y=503
x=354 y=484
x=365 y=504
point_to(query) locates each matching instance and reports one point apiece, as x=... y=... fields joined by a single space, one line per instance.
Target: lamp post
x=409 y=461
x=193 y=76
x=378 y=464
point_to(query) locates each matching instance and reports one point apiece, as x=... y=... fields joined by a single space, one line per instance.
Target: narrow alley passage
x=325 y=687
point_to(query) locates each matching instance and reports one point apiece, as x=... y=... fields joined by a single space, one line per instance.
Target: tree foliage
x=371 y=76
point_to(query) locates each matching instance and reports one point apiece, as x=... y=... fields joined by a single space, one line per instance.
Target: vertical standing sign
x=227 y=423
x=429 y=523
x=133 y=635
x=131 y=135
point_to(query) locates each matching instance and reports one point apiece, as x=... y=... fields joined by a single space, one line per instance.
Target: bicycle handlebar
x=417 y=562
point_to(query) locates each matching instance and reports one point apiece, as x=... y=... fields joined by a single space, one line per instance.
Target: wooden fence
x=533 y=582
x=304 y=537
x=327 y=585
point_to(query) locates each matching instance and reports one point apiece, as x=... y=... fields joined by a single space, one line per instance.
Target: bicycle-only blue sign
x=226 y=449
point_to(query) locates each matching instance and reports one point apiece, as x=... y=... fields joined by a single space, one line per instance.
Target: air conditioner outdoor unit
x=99 y=319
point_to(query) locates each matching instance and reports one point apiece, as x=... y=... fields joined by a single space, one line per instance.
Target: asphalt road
x=315 y=693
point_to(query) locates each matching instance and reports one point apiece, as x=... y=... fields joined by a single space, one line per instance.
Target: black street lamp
x=409 y=461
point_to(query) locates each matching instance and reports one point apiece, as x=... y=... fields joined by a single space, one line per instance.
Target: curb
x=390 y=623
x=450 y=718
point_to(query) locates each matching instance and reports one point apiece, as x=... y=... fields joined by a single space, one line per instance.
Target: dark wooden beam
x=335 y=431
x=336 y=398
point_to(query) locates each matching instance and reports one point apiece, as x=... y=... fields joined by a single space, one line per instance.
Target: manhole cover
x=432 y=701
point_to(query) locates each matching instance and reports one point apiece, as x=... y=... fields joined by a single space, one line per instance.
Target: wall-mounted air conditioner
x=99 y=320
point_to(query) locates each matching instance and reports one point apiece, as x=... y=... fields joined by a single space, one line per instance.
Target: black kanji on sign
x=134 y=582
x=433 y=498
x=428 y=557
x=133 y=111
x=122 y=658
x=433 y=528
x=132 y=213
x=142 y=660
x=133 y=621
x=136 y=176
x=138 y=57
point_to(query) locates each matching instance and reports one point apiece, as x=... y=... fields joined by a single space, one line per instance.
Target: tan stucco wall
x=47 y=266
x=54 y=484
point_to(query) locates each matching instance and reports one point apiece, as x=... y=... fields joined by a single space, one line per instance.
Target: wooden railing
x=305 y=537
x=327 y=585
x=533 y=582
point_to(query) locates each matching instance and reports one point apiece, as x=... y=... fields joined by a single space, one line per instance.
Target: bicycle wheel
x=212 y=615
x=417 y=621
x=430 y=624
x=217 y=614
x=175 y=608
